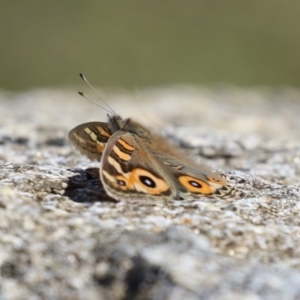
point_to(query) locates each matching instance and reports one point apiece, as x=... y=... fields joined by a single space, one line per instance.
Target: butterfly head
x=117 y=123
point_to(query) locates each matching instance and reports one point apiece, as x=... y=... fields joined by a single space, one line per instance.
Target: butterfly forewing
x=90 y=139
x=127 y=171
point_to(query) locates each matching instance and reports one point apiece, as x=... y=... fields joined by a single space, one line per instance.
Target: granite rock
x=62 y=237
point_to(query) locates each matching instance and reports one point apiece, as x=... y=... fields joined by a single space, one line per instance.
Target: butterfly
x=136 y=163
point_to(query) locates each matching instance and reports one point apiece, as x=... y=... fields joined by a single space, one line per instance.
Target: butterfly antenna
x=86 y=81
x=83 y=95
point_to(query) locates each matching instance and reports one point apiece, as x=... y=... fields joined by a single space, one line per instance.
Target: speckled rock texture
x=62 y=237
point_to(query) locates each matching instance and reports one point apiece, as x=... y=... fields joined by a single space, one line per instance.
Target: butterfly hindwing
x=191 y=179
x=90 y=139
x=194 y=180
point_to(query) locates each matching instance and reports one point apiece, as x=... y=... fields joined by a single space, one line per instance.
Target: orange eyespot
x=196 y=185
x=146 y=182
x=138 y=180
x=122 y=183
x=149 y=182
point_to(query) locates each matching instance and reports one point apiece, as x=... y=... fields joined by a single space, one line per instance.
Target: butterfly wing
x=90 y=139
x=194 y=180
x=128 y=171
x=191 y=179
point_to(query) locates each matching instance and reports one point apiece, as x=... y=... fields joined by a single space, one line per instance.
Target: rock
x=62 y=237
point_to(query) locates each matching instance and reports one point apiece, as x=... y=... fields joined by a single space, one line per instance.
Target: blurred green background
x=133 y=44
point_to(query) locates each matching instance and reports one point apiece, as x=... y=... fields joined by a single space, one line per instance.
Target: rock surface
x=62 y=237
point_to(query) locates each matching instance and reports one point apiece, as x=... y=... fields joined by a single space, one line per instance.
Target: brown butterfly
x=139 y=164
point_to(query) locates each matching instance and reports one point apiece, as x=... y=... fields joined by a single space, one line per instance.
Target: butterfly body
x=136 y=163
